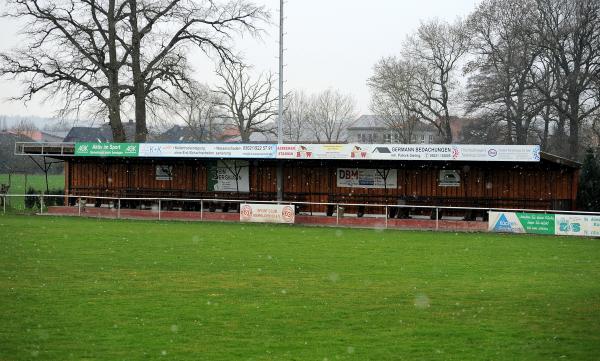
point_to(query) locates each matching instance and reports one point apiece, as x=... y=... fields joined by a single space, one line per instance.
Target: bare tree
x=436 y=49
x=569 y=38
x=162 y=31
x=595 y=117
x=196 y=108
x=249 y=104
x=24 y=127
x=70 y=50
x=391 y=97
x=95 y=53
x=296 y=116
x=500 y=86
x=422 y=81
x=331 y=114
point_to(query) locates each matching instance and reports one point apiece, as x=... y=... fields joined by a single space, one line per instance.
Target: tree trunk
x=447 y=130
x=546 y=116
x=139 y=91
x=114 y=101
x=574 y=130
x=560 y=135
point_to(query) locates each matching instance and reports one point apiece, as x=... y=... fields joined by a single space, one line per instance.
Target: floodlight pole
x=280 y=106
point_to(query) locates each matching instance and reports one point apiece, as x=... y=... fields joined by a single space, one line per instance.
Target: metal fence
x=157 y=207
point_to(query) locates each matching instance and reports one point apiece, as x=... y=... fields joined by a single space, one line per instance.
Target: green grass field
x=91 y=289
x=19 y=185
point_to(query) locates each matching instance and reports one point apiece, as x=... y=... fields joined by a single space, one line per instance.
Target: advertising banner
x=578 y=225
x=557 y=224
x=446 y=152
x=512 y=222
x=443 y=152
x=229 y=176
x=267 y=213
x=200 y=150
x=107 y=149
x=367 y=178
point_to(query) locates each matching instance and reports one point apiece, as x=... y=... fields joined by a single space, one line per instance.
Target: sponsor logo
x=154 y=149
x=381 y=150
x=358 y=152
x=287 y=213
x=455 y=152
x=246 y=211
x=303 y=152
x=503 y=224
x=492 y=152
x=566 y=226
x=536 y=152
x=82 y=148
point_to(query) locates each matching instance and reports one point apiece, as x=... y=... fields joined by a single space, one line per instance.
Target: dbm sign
x=367 y=178
x=344 y=173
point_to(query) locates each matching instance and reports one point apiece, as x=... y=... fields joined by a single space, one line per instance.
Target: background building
x=372 y=129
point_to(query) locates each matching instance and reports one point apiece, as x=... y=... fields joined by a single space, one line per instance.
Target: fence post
x=337 y=214
x=201 y=209
x=437 y=218
x=42 y=203
x=4 y=204
x=386 y=216
x=79 y=206
x=159 y=204
x=119 y=208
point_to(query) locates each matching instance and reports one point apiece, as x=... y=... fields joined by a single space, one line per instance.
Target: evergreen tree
x=588 y=195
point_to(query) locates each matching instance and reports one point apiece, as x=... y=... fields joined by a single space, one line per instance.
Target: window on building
x=388 y=138
x=430 y=138
x=359 y=138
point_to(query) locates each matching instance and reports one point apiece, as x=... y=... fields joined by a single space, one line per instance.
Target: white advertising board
x=367 y=178
x=444 y=152
x=229 y=176
x=267 y=213
x=441 y=152
x=199 y=150
x=577 y=225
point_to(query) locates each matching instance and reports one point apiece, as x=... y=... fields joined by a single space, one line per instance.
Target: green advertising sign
x=513 y=222
x=107 y=149
x=537 y=222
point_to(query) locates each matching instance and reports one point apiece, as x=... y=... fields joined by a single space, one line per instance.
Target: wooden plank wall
x=118 y=176
x=316 y=182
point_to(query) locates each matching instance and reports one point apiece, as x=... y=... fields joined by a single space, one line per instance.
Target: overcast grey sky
x=329 y=43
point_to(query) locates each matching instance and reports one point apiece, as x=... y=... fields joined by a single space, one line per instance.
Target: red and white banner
x=267 y=213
